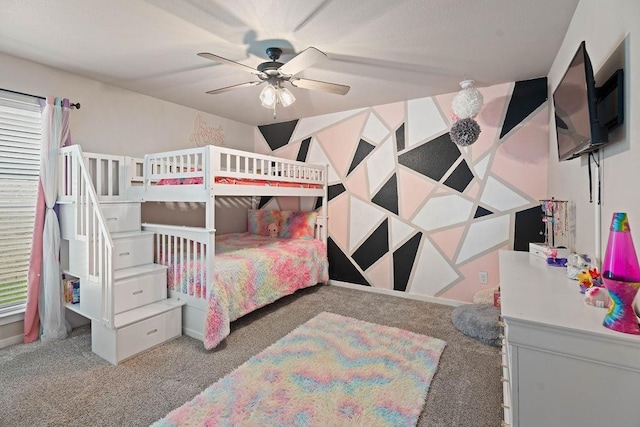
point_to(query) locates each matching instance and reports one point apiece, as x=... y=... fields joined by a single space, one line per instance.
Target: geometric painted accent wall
x=411 y=211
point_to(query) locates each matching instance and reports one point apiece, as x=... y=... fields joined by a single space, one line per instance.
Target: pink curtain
x=55 y=132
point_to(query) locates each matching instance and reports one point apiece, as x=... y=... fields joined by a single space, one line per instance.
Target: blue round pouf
x=479 y=321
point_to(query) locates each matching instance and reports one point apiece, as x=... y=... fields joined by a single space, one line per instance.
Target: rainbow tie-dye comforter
x=250 y=271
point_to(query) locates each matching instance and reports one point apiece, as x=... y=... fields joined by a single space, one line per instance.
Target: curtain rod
x=71 y=105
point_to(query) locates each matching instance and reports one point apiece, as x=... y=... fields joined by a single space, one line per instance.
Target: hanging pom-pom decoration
x=468 y=102
x=465 y=132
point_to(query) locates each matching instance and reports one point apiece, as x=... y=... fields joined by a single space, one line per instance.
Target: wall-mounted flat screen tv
x=575 y=100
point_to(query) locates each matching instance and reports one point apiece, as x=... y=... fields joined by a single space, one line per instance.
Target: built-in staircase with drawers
x=122 y=291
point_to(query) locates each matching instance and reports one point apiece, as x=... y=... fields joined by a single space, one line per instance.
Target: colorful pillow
x=291 y=225
x=259 y=220
x=299 y=225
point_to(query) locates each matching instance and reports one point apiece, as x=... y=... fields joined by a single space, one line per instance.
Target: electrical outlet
x=483 y=277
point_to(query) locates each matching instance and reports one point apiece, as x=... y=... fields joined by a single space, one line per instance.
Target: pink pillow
x=299 y=225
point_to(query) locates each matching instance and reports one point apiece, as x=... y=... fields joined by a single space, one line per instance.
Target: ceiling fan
x=276 y=73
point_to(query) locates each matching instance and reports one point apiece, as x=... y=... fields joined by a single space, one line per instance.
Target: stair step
x=141 y=313
x=125 y=273
x=129 y=234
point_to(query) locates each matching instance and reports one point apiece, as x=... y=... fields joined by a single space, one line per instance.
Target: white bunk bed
x=123 y=265
x=201 y=175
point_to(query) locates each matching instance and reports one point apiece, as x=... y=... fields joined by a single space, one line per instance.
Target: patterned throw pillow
x=259 y=220
x=291 y=224
x=299 y=225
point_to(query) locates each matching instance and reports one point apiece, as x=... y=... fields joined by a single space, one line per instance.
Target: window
x=20 y=131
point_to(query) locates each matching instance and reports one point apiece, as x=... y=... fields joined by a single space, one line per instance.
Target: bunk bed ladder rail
x=90 y=225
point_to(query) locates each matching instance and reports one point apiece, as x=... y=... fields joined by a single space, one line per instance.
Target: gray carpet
x=65 y=384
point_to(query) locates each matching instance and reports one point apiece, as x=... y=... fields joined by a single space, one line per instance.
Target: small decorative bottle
x=621 y=275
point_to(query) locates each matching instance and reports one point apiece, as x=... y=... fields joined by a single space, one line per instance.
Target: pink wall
x=463 y=214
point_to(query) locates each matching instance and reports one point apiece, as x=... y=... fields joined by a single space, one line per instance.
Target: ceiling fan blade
x=217 y=58
x=321 y=86
x=228 y=88
x=302 y=61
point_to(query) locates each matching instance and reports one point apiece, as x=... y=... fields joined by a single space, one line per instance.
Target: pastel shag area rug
x=331 y=370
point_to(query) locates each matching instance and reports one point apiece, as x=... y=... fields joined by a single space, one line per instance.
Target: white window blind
x=20 y=131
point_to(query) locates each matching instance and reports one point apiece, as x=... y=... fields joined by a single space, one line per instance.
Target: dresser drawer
x=130 y=250
x=122 y=216
x=148 y=286
x=148 y=333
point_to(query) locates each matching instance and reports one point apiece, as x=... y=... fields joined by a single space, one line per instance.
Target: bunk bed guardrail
x=77 y=186
x=208 y=161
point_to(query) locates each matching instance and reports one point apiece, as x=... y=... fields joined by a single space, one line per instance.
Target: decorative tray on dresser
x=562 y=367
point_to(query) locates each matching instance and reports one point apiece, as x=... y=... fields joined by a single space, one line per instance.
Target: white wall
x=117 y=121
x=611 y=30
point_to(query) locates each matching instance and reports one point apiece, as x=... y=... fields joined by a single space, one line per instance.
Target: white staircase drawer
x=122 y=216
x=136 y=338
x=137 y=291
x=116 y=345
x=132 y=250
x=129 y=250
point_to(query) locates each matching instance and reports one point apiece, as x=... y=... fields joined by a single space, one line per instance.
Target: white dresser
x=561 y=366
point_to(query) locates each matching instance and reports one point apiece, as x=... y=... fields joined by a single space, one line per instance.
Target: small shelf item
x=71 y=290
x=555 y=216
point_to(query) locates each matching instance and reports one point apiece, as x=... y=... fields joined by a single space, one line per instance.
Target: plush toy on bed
x=273 y=229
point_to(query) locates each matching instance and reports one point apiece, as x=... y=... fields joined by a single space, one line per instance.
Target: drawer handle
x=503 y=406
x=503 y=366
x=503 y=424
x=112 y=219
x=153 y=331
x=501 y=323
x=504 y=380
x=138 y=292
x=125 y=254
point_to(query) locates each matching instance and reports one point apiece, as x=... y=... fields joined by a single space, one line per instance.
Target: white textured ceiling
x=386 y=50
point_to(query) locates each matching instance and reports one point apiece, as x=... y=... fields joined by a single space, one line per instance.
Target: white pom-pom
x=468 y=102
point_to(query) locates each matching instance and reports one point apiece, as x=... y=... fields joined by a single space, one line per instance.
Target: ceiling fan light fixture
x=268 y=96
x=286 y=97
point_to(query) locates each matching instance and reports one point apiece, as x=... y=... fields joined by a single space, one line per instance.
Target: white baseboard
x=398 y=294
x=6 y=342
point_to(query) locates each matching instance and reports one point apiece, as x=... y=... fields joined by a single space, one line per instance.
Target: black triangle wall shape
x=278 y=134
x=460 y=177
x=376 y=245
x=432 y=159
x=400 y=138
x=480 y=212
x=526 y=97
x=363 y=150
x=304 y=150
x=403 y=260
x=335 y=190
x=263 y=201
x=387 y=197
x=341 y=268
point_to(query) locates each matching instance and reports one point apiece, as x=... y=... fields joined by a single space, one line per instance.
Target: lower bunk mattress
x=250 y=271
